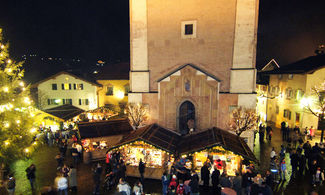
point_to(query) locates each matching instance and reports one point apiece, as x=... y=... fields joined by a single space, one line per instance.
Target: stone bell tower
x=193 y=59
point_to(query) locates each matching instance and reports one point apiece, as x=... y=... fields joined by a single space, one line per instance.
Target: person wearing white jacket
x=61 y=184
x=124 y=187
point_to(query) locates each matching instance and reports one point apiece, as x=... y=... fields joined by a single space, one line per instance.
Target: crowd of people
x=295 y=152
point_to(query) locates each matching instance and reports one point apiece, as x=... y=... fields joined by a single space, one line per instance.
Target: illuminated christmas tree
x=16 y=118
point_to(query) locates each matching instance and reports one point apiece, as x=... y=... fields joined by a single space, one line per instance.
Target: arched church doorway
x=186 y=117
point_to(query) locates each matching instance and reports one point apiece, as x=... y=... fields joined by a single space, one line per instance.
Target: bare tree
x=243 y=119
x=315 y=105
x=137 y=114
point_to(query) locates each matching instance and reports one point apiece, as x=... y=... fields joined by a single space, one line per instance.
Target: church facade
x=193 y=61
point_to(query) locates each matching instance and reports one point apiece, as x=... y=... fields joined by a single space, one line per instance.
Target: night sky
x=91 y=30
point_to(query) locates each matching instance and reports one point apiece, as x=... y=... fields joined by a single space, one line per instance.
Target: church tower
x=193 y=61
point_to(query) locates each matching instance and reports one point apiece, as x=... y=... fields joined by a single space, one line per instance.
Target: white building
x=66 y=88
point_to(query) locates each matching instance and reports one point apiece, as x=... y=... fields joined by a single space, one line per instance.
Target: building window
x=53 y=101
x=287 y=114
x=109 y=90
x=289 y=93
x=188 y=29
x=66 y=86
x=54 y=86
x=290 y=76
x=67 y=101
x=126 y=90
x=83 y=102
x=299 y=94
x=276 y=109
x=280 y=76
x=80 y=86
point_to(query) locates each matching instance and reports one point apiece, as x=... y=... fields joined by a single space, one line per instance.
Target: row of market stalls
x=158 y=147
x=98 y=137
x=61 y=117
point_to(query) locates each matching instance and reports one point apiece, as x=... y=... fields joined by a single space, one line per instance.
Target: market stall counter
x=152 y=144
x=221 y=149
x=98 y=137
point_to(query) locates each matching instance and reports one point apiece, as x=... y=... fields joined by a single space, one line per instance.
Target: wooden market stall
x=98 y=137
x=222 y=148
x=153 y=144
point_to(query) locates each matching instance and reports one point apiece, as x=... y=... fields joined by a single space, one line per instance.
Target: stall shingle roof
x=172 y=141
x=65 y=112
x=155 y=135
x=104 y=128
x=215 y=137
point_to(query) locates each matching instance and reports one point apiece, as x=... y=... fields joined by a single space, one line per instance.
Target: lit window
x=53 y=101
x=109 y=90
x=66 y=86
x=83 y=102
x=67 y=101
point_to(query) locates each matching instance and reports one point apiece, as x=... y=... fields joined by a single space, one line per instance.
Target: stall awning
x=155 y=135
x=65 y=112
x=173 y=142
x=104 y=128
x=215 y=137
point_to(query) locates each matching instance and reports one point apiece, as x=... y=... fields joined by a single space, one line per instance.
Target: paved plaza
x=46 y=171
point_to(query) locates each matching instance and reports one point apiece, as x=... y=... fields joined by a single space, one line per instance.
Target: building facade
x=290 y=91
x=115 y=81
x=66 y=88
x=193 y=60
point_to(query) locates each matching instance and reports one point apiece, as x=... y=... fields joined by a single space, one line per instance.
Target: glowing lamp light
x=120 y=95
x=9 y=62
x=304 y=102
x=34 y=143
x=2 y=46
x=33 y=130
x=21 y=84
x=17 y=121
x=6 y=124
x=57 y=101
x=7 y=143
x=26 y=150
x=6 y=89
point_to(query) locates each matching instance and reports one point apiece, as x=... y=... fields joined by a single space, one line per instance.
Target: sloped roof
x=193 y=66
x=172 y=141
x=304 y=66
x=88 y=80
x=155 y=135
x=104 y=128
x=215 y=137
x=65 y=112
x=119 y=71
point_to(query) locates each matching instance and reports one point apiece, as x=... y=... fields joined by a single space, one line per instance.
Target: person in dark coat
x=122 y=169
x=237 y=183
x=205 y=175
x=141 y=170
x=266 y=189
x=97 y=171
x=283 y=129
x=194 y=183
x=224 y=180
x=215 y=180
x=30 y=173
x=294 y=163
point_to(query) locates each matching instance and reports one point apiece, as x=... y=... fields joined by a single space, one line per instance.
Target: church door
x=186 y=117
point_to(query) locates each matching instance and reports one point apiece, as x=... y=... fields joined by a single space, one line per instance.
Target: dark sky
x=99 y=29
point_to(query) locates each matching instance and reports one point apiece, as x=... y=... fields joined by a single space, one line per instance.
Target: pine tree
x=16 y=120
